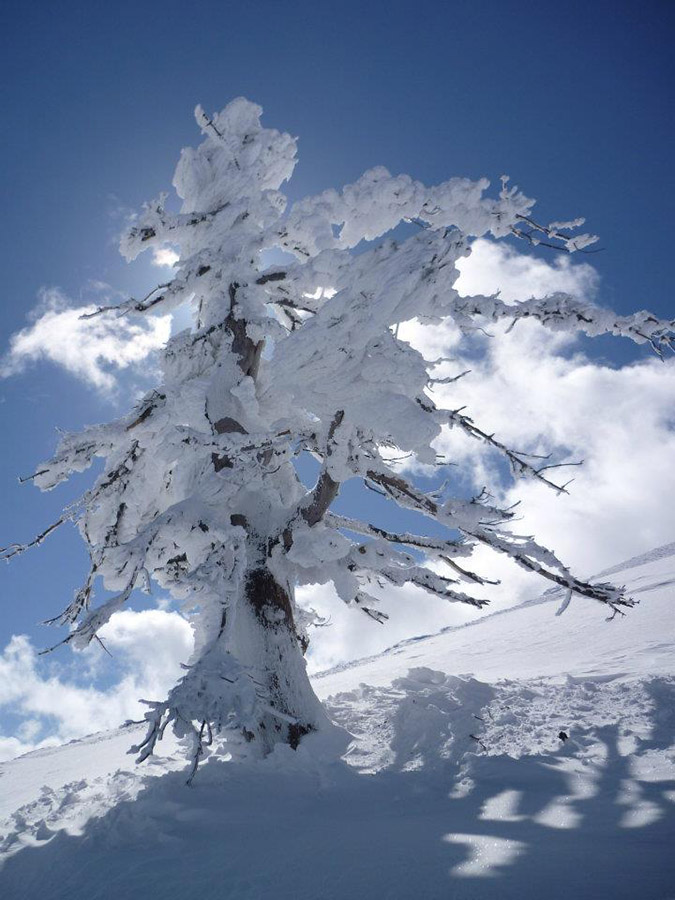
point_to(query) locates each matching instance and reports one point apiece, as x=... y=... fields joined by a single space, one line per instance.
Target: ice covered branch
x=525 y=552
x=199 y=492
x=560 y=312
x=8 y=552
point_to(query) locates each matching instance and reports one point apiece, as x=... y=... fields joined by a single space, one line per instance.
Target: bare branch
x=470 y=576
x=606 y=593
x=34 y=475
x=451 y=379
x=130 y=305
x=431 y=582
x=518 y=464
x=554 y=232
x=199 y=750
x=561 y=310
x=290 y=304
x=15 y=549
x=407 y=495
x=147 y=409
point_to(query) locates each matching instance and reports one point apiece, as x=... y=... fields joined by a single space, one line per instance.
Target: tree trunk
x=262 y=633
x=263 y=637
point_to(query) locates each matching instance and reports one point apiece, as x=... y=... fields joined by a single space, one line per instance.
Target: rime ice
x=199 y=491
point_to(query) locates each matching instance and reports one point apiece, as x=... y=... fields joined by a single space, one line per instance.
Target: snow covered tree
x=199 y=491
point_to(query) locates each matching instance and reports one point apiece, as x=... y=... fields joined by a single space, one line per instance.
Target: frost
x=317 y=545
x=199 y=492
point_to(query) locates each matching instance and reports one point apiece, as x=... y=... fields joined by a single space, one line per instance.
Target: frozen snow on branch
x=199 y=492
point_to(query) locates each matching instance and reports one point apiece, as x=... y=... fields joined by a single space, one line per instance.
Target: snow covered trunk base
x=264 y=640
x=250 y=686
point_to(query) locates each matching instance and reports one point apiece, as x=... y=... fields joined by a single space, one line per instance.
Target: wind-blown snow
x=456 y=782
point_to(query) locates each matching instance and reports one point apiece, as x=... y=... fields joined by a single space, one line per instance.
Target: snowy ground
x=456 y=784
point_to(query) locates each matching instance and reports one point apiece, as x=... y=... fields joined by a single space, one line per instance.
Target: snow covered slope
x=457 y=783
x=530 y=640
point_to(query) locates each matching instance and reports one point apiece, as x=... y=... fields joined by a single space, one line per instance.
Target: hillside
x=456 y=784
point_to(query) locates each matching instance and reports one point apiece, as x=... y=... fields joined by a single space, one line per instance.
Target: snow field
x=453 y=786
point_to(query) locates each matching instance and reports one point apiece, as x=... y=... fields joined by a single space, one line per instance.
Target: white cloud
x=11 y=747
x=152 y=644
x=350 y=634
x=90 y=349
x=538 y=392
x=147 y=649
x=493 y=267
x=619 y=421
x=164 y=257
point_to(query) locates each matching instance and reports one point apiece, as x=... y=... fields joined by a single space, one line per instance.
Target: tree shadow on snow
x=425 y=826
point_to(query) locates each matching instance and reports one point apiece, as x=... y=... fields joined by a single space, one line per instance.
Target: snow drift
x=522 y=755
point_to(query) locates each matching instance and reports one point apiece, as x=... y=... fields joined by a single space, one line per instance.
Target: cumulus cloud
x=618 y=421
x=349 y=634
x=147 y=649
x=92 y=350
x=540 y=393
x=164 y=257
x=493 y=267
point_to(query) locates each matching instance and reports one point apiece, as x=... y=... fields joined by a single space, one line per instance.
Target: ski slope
x=455 y=783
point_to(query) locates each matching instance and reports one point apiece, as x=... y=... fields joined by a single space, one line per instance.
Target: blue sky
x=572 y=100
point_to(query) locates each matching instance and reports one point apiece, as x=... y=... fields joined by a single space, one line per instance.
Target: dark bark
x=267 y=596
x=278 y=649
x=226 y=425
x=324 y=492
x=273 y=610
x=248 y=351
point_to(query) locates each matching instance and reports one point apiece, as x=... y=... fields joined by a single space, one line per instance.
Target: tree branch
x=518 y=465
x=411 y=540
x=316 y=504
x=400 y=490
x=15 y=549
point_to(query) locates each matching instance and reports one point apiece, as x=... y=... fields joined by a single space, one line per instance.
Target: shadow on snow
x=469 y=826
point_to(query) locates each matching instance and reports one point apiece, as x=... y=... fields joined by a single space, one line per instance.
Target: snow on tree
x=199 y=492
